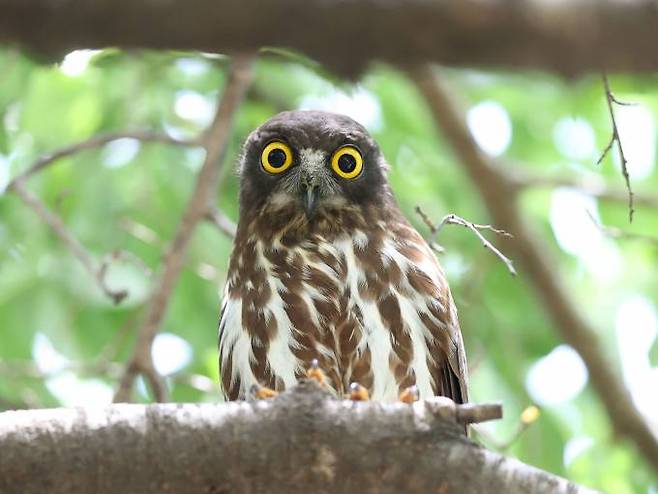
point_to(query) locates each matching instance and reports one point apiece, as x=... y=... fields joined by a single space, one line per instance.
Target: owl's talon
x=358 y=393
x=258 y=392
x=409 y=395
x=314 y=372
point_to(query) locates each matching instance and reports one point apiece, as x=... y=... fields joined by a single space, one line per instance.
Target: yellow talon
x=409 y=395
x=314 y=372
x=358 y=393
x=263 y=393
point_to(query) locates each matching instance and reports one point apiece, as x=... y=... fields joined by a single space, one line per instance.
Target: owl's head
x=311 y=159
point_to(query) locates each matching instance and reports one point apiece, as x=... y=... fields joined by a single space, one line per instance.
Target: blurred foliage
x=55 y=324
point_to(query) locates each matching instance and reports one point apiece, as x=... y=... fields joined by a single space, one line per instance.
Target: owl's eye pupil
x=276 y=158
x=347 y=163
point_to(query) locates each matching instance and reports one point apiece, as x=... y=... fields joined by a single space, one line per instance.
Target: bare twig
x=98 y=141
x=528 y=417
x=101 y=367
x=614 y=138
x=215 y=142
x=221 y=221
x=470 y=413
x=124 y=255
x=97 y=272
x=615 y=232
x=594 y=186
x=453 y=219
x=426 y=219
x=141 y=232
x=493 y=184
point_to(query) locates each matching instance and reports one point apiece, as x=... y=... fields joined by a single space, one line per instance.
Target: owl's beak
x=309 y=197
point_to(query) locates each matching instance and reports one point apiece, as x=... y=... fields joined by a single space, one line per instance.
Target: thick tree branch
x=499 y=195
x=302 y=441
x=215 y=142
x=567 y=37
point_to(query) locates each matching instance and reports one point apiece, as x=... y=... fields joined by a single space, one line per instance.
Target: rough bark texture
x=303 y=441
x=568 y=37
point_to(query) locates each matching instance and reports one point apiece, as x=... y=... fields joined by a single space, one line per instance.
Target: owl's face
x=311 y=159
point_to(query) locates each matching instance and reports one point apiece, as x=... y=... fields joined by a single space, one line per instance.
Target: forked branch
x=453 y=219
x=614 y=138
x=98 y=271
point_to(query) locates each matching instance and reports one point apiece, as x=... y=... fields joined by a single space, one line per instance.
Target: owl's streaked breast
x=366 y=301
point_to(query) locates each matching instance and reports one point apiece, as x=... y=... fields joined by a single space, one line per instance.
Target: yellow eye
x=347 y=162
x=276 y=157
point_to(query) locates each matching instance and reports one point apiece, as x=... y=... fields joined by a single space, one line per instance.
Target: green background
x=62 y=342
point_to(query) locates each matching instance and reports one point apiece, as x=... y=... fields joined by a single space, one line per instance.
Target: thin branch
x=28 y=369
x=453 y=219
x=592 y=186
x=614 y=138
x=96 y=142
x=500 y=196
x=528 y=417
x=215 y=143
x=101 y=367
x=618 y=233
x=221 y=221
x=97 y=272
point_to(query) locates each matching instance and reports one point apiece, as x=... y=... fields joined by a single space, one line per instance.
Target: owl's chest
x=318 y=271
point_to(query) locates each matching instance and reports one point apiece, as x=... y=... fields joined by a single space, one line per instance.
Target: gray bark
x=570 y=37
x=302 y=441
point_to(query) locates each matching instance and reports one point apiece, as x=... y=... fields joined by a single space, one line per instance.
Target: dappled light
x=119 y=207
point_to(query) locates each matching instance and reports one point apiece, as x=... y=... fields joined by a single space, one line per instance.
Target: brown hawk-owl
x=326 y=267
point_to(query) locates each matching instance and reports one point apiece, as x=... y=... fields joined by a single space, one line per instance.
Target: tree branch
x=618 y=233
x=570 y=38
x=97 y=271
x=499 y=194
x=215 y=142
x=453 y=219
x=96 y=142
x=221 y=221
x=614 y=138
x=302 y=441
x=592 y=186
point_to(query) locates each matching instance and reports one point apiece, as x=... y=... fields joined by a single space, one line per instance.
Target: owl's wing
x=434 y=304
x=454 y=370
x=230 y=330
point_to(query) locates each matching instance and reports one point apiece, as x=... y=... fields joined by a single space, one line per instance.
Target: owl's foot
x=409 y=395
x=314 y=372
x=258 y=392
x=358 y=393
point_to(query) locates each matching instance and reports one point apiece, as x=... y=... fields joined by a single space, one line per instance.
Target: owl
x=326 y=269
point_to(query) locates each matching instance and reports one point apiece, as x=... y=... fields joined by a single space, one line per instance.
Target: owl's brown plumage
x=326 y=267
